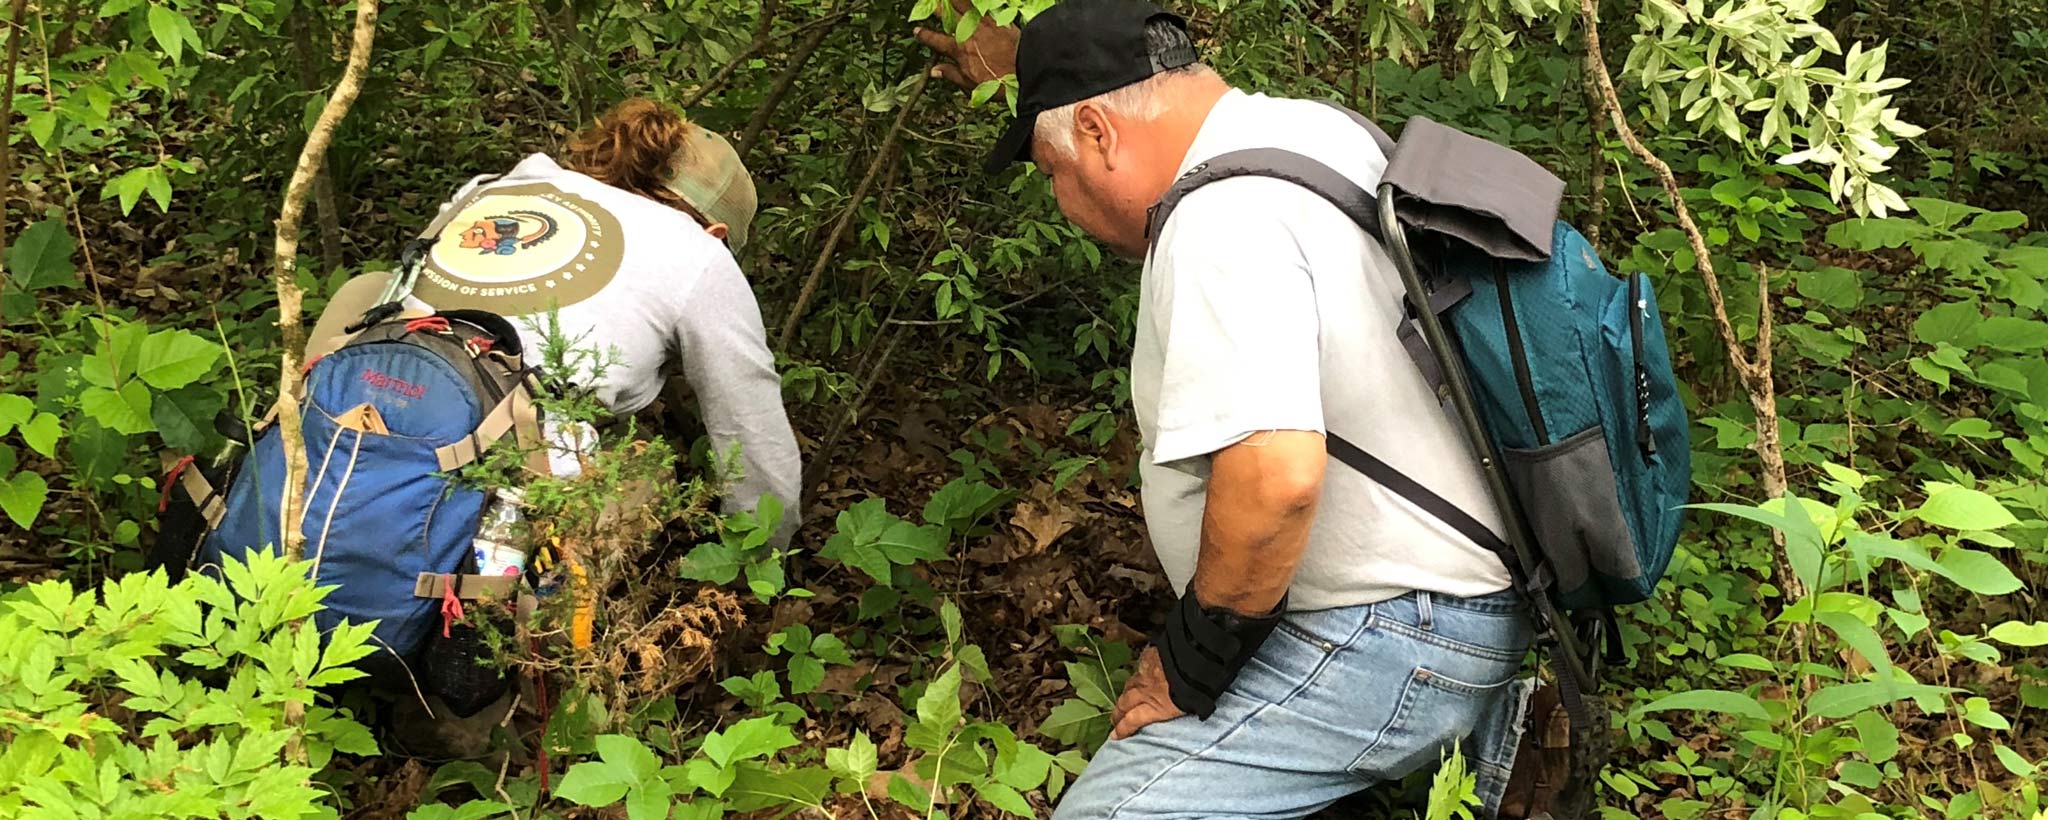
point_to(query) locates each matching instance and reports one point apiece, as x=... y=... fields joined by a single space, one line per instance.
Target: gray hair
x=1144 y=101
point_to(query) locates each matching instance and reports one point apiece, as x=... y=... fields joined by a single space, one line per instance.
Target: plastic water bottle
x=497 y=548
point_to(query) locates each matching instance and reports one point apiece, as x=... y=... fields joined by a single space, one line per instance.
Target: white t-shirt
x=638 y=287
x=1263 y=307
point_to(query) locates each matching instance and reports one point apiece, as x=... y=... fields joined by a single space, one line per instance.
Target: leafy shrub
x=148 y=699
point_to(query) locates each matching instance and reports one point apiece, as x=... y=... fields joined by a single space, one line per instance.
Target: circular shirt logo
x=520 y=249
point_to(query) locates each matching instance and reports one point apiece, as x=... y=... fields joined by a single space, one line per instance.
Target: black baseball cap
x=1079 y=49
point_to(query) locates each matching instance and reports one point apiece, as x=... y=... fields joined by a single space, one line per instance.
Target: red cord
x=451 y=606
x=171 y=480
x=438 y=324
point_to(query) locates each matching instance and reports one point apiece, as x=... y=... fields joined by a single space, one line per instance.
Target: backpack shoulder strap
x=1277 y=163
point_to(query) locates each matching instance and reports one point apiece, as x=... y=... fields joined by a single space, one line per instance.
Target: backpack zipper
x=1637 y=306
x=1518 y=354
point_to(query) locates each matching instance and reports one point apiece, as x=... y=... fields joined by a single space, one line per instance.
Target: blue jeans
x=1335 y=702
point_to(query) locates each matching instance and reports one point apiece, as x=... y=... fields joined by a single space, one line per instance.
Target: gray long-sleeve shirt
x=638 y=283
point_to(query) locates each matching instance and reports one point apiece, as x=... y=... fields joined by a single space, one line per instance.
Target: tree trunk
x=14 y=34
x=1755 y=375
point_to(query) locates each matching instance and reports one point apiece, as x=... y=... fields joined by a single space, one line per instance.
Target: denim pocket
x=1435 y=712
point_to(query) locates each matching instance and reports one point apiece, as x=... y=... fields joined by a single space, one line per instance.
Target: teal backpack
x=1558 y=371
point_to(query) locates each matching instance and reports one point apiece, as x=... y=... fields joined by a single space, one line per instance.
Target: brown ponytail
x=632 y=147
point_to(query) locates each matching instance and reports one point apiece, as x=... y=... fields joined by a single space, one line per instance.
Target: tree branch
x=1754 y=374
x=783 y=84
x=846 y=214
x=725 y=72
x=15 y=29
x=289 y=298
x=328 y=217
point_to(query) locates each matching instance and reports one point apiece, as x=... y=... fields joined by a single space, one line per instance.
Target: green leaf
x=923 y=9
x=1962 y=508
x=1844 y=699
x=1880 y=738
x=949 y=615
x=1005 y=798
x=1971 y=428
x=2013 y=334
x=1954 y=323
x=1838 y=288
x=2019 y=634
x=907 y=793
x=171 y=359
x=939 y=707
x=125 y=411
x=805 y=673
x=858 y=761
x=1076 y=722
x=593 y=784
x=15 y=410
x=649 y=801
x=1978 y=572
x=2013 y=762
x=629 y=755
x=747 y=739
x=167 y=26
x=184 y=417
x=41 y=257
x=1707 y=700
x=22 y=497
x=42 y=434
x=962 y=503
x=713 y=564
x=1860 y=637
x=1745 y=660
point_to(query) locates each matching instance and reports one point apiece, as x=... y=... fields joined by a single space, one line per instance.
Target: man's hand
x=1145 y=700
x=990 y=54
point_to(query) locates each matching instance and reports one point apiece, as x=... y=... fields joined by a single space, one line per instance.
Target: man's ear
x=718 y=230
x=1095 y=132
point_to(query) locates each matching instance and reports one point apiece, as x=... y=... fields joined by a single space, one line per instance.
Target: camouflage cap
x=709 y=175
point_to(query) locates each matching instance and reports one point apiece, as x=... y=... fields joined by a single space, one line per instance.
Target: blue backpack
x=1558 y=371
x=391 y=416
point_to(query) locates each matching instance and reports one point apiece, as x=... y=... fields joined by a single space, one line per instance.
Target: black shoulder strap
x=1277 y=163
x=1362 y=208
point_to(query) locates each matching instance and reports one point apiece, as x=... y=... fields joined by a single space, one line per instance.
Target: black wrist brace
x=1202 y=650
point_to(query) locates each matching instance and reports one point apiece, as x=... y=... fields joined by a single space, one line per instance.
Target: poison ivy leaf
x=125 y=411
x=712 y=563
x=1962 y=508
x=593 y=784
x=939 y=707
x=15 y=410
x=801 y=786
x=865 y=557
x=1091 y=684
x=171 y=359
x=1076 y=722
x=907 y=793
x=858 y=761
x=42 y=434
x=185 y=418
x=41 y=257
x=805 y=673
x=629 y=755
x=2020 y=634
x=906 y=543
x=649 y=801
x=22 y=497
x=1707 y=700
x=962 y=503
x=1954 y=322
x=2013 y=334
x=1838 y=288
x=1005 y=798
x=747 y=739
